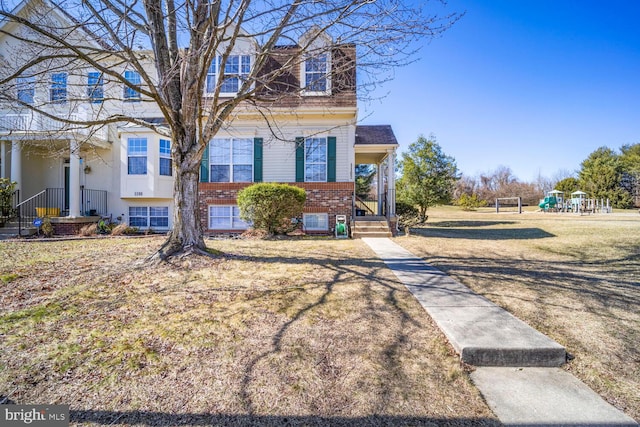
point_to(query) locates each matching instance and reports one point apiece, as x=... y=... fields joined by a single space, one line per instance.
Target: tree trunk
x=186 y=237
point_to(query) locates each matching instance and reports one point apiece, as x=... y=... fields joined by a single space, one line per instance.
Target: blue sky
x=534 y=85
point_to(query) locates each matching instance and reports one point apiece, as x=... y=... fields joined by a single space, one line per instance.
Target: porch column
x=380 y=187
x=16 y=164
x=391 y=183
x=3 y=156
x=74 y=179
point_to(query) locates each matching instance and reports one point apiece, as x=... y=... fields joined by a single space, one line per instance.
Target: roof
x=375 y=135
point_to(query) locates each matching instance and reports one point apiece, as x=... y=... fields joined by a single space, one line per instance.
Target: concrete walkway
x=517 y=367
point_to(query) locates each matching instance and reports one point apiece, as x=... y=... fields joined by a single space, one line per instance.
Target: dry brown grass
x=289 y=332
x=574 y=278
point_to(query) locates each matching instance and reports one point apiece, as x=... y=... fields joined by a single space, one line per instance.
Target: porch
x=376 y=146
x=39 y=152
x=47 y=159
x=52 y=203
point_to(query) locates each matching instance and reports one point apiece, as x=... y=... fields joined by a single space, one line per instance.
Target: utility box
x=342 y=229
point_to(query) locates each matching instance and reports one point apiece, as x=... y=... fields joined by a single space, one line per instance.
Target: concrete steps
x=375 y=227
x=10 y=230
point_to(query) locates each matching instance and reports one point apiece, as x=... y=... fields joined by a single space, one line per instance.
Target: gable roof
x=62 y=14
x=375 y=135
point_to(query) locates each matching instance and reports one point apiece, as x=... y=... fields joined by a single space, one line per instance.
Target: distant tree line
x=428 y=177
x=604 y=174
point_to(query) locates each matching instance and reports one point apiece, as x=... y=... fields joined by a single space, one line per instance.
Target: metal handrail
x=363 y=203
x=30 y=198
x=52 y=202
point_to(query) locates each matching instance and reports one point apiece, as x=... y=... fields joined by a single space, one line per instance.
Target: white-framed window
x=316 y=75
x=159 y=217
x=138 y=216
x=26 y=89
x=129 y=93
x=137 y=156
x=315 y=221
x=231 y=160
x=226 y=218
x=315 y=160
x=58 y=88
x=236 y=71
x=149 y=216
x=165 y=157
x=95 y=87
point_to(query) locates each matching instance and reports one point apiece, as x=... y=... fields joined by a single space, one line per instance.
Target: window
x=137 y=156
x=231 y=160
x=159 y=217
x=226 y=218
x=316 y=70
x=138 y=217
x=315 y=160
x=26 y=89
x=316 y=221
x=130 y=94
x=143 y=217
x=236 y=71
x=58 y=91
x=95 y=87
x=165 y=157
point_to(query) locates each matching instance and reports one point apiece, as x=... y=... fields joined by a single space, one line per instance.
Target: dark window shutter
x=204 y=165
x=299 y=159
x=331 y=159
x=257 y=159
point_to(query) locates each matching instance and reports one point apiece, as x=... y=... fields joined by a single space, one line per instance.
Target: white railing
x=39 y=123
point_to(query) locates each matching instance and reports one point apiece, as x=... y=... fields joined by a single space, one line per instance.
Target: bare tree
x=172 y=44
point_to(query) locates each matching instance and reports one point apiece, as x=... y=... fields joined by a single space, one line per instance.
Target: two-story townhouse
x=124 y=171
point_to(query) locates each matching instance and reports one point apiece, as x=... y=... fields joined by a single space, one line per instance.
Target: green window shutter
x=331 y=159
x=299 y=159
x=204 y=165
x=257 y=159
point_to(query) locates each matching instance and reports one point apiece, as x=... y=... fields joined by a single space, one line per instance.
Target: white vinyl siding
x=279 y=157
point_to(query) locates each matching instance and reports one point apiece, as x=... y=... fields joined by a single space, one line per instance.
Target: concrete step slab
x=370 y=234
x=482 y=333
x=544 y=397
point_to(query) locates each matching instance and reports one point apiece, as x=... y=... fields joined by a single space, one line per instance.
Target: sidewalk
x=517 y=366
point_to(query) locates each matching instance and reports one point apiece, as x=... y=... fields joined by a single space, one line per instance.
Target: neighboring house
x=77 y=173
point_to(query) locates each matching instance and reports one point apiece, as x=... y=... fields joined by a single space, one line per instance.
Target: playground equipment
x=342 y=231
x=578 y=203
x=554 y=200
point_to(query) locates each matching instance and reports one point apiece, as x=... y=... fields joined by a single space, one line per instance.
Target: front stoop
x=10 y=230
x=374 y=227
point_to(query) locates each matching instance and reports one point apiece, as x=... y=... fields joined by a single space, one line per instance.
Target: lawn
x=575 y=278
x=279 y=332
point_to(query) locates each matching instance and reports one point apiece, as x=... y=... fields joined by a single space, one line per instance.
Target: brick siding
x=332 y=198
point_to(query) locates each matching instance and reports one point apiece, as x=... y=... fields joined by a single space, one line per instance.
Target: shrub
x=470 y=203
x=123 y=229
x=6 y=197
x=405 y=209
x=270 y=207
x=408 y=215
x=89 y=230
x=47 y=228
